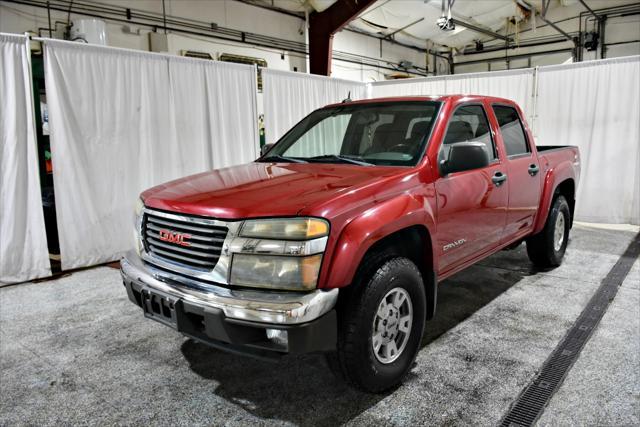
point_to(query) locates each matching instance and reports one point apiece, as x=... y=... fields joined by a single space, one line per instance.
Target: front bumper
x=234 y=320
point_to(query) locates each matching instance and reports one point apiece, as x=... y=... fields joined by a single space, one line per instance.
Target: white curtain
x=122 y=121
x=288 y=97
x=409 y=87
x=596 y=106
x=516 y=85
x=23 y=243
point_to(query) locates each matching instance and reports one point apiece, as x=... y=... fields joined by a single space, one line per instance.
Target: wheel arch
x=567 y=188
x=559 y=181
x=414 y=243
x=402 y=225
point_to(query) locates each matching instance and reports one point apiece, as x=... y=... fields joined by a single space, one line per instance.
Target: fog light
x=278 y=336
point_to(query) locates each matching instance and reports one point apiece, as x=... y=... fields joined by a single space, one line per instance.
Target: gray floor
x=74 y=350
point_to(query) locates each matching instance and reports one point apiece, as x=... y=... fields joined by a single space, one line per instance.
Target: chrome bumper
x=273 y=307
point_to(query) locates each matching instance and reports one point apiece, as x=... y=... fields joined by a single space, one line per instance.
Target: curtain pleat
x=595 y=105
x=23 y=243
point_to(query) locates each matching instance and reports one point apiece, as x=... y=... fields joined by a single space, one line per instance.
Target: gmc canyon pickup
x=335 y=239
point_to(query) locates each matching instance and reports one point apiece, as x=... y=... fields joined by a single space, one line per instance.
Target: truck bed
x=542 y=148
x=556 y=155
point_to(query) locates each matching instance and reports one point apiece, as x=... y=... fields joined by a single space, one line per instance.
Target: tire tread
x=346 y=362
x=540 y=248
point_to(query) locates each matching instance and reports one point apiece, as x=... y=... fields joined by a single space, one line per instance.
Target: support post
x=451 y=65
x=323 y=25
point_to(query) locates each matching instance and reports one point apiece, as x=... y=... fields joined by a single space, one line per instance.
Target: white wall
x=351 y=42
x=277 y=60
x=16 y=18
x=239 y=16
x=226 y=13
x=230 y=14
x=620 y=29
x=617 y=29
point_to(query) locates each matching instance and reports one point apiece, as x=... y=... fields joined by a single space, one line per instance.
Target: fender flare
x=372 y=226
x=552 y=180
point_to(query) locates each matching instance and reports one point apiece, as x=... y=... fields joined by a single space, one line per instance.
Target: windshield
x=392 y=134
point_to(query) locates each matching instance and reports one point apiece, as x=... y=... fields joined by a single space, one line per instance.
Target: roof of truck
x=453 y=97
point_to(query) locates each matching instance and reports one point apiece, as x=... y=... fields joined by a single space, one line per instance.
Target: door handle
x=499 y=178
x=533 y=169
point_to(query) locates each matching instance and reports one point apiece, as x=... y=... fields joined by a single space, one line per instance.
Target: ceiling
x=391 y=16
x=388 y=16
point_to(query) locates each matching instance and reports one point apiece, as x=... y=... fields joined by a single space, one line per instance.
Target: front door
x=472 y=204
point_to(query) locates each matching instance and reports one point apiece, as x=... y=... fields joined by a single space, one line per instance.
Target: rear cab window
x=512 y=130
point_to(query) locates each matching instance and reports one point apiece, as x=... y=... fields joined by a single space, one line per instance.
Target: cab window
x=383 y=134
x=512 y=130
x=468 y=123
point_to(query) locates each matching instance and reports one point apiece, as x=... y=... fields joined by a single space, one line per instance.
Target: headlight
x=279 y=253
x=285 y=228
x=280 y=272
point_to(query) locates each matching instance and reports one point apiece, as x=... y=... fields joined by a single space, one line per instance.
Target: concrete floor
x=75 y=350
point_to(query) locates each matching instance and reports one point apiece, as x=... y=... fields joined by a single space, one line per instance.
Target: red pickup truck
x=334 y=240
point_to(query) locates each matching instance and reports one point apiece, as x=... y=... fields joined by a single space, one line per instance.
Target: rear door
x=523 y=171
x=471 y=204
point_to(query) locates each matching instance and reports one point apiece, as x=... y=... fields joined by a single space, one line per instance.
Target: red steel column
x=323 y=25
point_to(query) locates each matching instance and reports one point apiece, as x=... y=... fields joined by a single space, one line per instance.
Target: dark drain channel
x=532 y=401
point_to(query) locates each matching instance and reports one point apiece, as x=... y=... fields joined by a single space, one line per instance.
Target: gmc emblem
x=175 y=237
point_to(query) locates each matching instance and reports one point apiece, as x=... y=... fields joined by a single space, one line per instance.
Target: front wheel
x=546 y=249
x=381 y=327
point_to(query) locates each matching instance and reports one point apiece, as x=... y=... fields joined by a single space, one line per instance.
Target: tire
x=395 y=279
x=546 y=249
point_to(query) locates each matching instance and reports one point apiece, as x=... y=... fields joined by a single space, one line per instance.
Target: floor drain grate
x=528 y=407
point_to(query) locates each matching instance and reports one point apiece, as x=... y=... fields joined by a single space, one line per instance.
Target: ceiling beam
x=527 y=43
x=323 y=25
x=481 y=30
x=598 y=18
x=299 y=15
x=543 y=16
x=555 y=27
x=390 y=35
x=512 y=57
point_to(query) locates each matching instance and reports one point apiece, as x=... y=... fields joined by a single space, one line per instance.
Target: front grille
x=180 y=241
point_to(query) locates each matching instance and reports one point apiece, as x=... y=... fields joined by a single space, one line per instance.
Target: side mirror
x=465 y=156
x=265 y=148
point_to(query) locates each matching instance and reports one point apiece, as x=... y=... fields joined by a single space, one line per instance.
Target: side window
x=515 y=140
x=469 y=123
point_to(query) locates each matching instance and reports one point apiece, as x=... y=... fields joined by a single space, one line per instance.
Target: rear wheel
x=381 y=326
x=546 y=249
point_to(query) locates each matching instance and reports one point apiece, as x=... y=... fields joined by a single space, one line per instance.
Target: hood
x=267 y=189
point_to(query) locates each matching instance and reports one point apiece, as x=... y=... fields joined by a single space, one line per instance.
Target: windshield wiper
x=279 y=158
x=341 y=158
